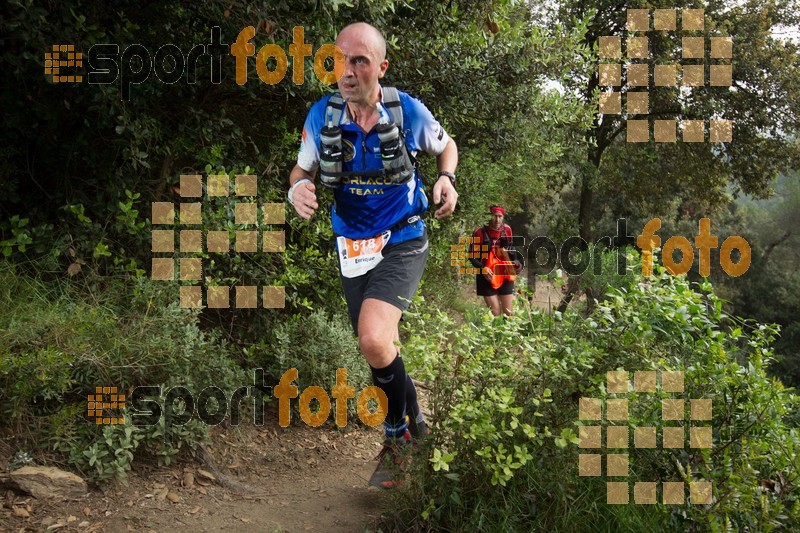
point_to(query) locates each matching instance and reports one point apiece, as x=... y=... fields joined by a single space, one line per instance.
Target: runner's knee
x=377 y=347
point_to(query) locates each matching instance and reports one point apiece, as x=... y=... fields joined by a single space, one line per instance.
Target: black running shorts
x=394 y=280
x=484 y=288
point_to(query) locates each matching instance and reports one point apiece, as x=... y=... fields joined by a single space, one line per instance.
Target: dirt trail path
x=305 y=479
x=302 y=479
x=548 y=295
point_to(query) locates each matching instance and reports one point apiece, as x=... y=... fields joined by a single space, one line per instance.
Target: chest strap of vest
x=488 y=238
x=359 y=173
x=391 y=101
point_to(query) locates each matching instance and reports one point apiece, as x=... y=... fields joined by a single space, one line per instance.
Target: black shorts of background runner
x=486 y=289
x=394 y=280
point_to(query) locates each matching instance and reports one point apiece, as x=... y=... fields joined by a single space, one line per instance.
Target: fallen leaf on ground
x=205 y=474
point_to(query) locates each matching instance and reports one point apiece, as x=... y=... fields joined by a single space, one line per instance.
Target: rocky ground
x=294 y=479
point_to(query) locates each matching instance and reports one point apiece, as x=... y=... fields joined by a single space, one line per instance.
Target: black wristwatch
x=449 y=175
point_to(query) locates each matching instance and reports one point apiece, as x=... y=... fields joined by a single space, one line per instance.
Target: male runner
x=366 y=207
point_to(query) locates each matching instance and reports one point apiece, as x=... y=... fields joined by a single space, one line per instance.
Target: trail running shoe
x=418 y=430
x=392 y=459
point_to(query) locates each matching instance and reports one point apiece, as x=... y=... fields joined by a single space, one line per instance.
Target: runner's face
x=497 y=220
x=363 y=68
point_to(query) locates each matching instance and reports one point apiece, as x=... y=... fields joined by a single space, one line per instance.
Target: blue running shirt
x=364 y=207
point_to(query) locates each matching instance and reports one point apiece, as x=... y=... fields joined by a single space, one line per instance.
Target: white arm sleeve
x=308 y=156
x=429 y=136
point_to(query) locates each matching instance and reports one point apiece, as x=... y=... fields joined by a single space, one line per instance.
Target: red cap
x=497 y=209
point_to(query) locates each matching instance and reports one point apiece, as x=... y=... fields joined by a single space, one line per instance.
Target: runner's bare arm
x=444 y=190
x=304 y=196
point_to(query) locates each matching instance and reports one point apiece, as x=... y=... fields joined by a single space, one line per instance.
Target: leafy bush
x=58 y=346
x=504 y=396
x=307 y=272
x=316 y=345
x=604 y=271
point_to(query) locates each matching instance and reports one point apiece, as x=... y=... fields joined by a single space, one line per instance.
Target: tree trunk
x=585 y=209
x=584 y=221
x=572 y=290
x=768 y=250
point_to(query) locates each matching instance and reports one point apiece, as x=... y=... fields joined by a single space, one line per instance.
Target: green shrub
x=504 y=396
x=60 y=344
x=316 y=345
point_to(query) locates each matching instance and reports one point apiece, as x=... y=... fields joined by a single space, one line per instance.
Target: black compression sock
x=392 y=381
x=416 y=420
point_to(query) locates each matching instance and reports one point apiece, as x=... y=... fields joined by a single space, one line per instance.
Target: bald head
x=366 y=33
